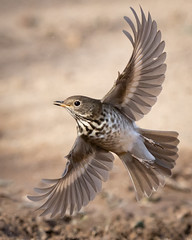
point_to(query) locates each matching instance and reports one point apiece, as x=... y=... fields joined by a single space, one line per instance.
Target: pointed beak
x=60 y=103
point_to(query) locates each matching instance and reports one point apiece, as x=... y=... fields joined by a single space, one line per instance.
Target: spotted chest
x=97 y=128
x=111 y=130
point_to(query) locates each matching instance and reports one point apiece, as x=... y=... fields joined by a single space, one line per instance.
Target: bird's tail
x=147 y=175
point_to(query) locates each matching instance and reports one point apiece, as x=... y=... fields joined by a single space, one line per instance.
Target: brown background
x=50 y=50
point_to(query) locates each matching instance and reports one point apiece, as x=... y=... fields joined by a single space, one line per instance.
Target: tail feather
x=147 y=176
x=160 y=136
x=163 y=146
x=145 y=180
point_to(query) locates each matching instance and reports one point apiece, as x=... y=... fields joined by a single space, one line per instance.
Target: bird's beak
x=60 y=103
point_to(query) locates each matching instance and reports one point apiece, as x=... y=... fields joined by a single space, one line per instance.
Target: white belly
x=127 y=139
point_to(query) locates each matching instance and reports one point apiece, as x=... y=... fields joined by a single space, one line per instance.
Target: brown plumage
x=108 y=125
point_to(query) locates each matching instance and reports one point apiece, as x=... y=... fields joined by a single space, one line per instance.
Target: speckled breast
x=112 y=131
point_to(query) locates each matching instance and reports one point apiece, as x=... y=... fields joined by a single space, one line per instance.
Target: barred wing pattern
x=137 y=87
x=86 y=168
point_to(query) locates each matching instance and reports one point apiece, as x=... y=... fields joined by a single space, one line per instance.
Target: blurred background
x=50 y=50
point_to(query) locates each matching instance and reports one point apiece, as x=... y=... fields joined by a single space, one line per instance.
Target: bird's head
x=81 y=107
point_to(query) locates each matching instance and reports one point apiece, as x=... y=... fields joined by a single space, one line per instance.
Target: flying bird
x=108 y=126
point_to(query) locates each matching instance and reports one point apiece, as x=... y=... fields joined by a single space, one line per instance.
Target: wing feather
x=85 y=170
x=136 y=89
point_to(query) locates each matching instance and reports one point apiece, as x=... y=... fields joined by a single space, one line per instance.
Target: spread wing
x=85 y=170
x=137 y=87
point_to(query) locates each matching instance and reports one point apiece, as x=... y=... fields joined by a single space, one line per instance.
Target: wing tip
x=34 y=198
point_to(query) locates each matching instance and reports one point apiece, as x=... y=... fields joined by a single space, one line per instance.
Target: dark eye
x=77 y=103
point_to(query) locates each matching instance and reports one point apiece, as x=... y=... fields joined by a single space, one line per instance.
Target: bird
x=107 y=127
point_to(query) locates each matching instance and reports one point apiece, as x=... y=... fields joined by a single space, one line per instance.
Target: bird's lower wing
x=85 y=170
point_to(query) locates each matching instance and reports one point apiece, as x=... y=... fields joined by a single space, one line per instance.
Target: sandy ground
x=50 y=50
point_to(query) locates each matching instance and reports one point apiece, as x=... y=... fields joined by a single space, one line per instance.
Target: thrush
x=108 y=126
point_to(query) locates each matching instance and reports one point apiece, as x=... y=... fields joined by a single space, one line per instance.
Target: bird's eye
x=77 y=103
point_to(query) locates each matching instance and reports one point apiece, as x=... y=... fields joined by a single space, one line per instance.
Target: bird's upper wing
x=85 y=170
x=137 y=87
